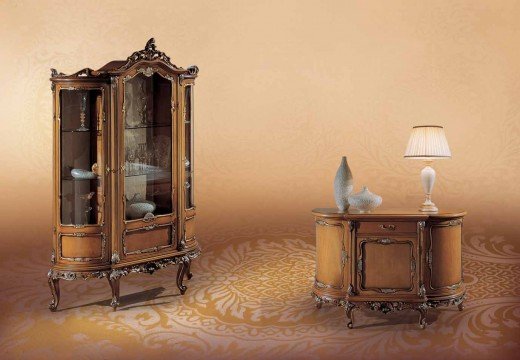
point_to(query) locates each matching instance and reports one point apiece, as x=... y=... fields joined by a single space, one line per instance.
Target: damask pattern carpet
x=250 y=298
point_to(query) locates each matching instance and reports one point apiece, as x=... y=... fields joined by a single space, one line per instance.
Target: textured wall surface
x=284 y=90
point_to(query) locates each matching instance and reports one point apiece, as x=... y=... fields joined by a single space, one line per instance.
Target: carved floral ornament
x=82 y=73
x=148 y=71
x=149 y=53
x=148 y=267
x=115 y=258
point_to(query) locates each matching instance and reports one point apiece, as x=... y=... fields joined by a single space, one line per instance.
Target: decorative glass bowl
x=365 y=201
x=137 y=208
x=81 y=174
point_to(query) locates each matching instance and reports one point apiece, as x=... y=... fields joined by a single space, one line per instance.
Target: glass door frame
x=157 y=221
x=191 y=85
x=188 y=213
x=80 y=230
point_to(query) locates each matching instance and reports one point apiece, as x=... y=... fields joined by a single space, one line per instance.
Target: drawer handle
x=387 y=227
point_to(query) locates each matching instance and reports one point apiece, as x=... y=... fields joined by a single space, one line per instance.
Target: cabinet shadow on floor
x=131 y=301
x=367 y=319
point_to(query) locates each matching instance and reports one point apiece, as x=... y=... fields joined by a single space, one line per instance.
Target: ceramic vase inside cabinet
x=343 y=185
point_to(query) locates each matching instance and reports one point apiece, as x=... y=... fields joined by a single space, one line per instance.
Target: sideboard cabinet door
x=331 y=256
x=386 y=265
x=444 y=256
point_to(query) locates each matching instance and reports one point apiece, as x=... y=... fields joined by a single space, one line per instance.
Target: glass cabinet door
x=148 y=132
x=188 y=143
x=81 y=155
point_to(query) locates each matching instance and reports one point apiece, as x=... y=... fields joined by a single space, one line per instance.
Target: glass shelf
x=70 y=178
x=149 y=126
x=157 y=174
x=86 y=131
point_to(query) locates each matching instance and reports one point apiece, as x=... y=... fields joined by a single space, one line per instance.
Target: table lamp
x=427 y=143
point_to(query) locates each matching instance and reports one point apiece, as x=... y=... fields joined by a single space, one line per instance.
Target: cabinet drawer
x=148 y=239
x=389 y=227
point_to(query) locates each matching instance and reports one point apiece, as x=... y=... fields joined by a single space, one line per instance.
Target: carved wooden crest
x=149 y=53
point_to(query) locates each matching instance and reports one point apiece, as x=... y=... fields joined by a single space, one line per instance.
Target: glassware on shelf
x=141 y=154
x=142 y=108
x=149 y=157
x=86 y=205
x=143 y=114
x=127 y=163
x=83 y=114
x=131 y=162
x=156 y=154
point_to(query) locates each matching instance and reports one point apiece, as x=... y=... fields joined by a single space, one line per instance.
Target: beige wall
x=285 y=89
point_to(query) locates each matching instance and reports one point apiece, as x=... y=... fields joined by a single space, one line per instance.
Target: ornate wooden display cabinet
x=123 y=171
x=389 y=260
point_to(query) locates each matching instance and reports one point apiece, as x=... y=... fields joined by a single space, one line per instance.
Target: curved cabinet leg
x=114 y=285
x=423 y=311
x=319 y=301
x=349 y=309
x=189 y=275
x=54 y=284
x=180 y=276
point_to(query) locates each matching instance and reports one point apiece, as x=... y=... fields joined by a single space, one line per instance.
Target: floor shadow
x=377 y=319
x=129 y=301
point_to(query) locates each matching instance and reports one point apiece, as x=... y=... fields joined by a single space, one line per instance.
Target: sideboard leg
x=422 y=316
x=189 y=275
x=350 y=314
x=114 y=285
x=180 y=276
x=461 y=306
x=54 y=284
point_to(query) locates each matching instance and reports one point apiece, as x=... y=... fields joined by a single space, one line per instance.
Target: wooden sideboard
x=388 y=260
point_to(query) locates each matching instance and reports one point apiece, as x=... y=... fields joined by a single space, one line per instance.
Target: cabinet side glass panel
x=188 y=141
x=148 y=146
x=80 y=154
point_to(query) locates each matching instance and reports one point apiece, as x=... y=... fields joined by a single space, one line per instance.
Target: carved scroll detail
x=149 y=53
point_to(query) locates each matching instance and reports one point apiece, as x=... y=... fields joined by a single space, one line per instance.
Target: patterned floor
x=250 y=298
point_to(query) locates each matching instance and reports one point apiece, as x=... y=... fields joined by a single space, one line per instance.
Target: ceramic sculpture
x=343 y=185
x=365 y=201
x=137 y=208
x=82 y=174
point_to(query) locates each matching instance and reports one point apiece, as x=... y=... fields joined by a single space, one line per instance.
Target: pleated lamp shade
x=427 y=142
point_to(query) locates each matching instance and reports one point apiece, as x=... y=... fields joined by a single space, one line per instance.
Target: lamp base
x=428 y=179
x=428 y=206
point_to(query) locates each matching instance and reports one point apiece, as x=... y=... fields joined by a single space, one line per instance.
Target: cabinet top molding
x=149 y=54
x=387 y=213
